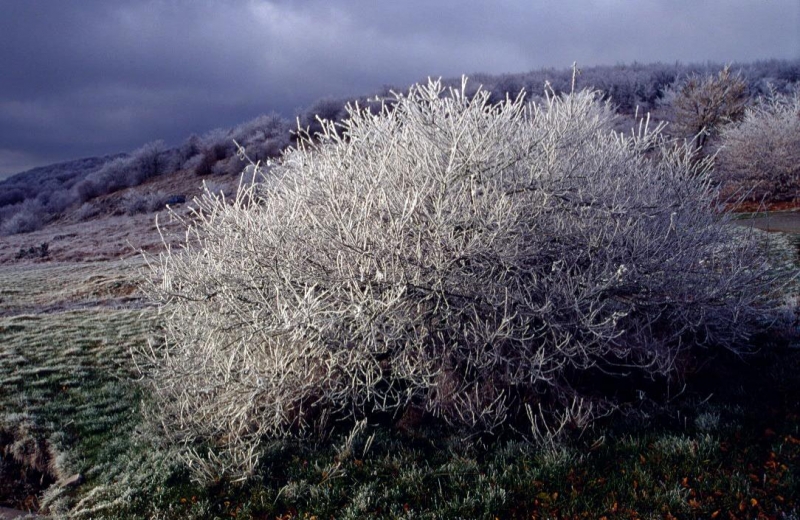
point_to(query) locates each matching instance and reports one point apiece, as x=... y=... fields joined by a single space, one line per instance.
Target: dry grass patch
x=35 y=287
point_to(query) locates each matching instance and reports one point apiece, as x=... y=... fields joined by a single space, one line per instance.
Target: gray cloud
x=101 y=76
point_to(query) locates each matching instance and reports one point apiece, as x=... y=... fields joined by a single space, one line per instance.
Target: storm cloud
x=102 y=76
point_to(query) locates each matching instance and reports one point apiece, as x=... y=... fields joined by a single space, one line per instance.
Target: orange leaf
x=715 y=514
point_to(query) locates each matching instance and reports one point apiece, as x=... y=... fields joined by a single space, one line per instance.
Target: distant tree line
x=32 y=199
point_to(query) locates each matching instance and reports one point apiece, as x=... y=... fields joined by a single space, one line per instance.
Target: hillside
x=109 y=231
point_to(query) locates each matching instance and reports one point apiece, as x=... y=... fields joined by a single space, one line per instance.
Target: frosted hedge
x=469 y=260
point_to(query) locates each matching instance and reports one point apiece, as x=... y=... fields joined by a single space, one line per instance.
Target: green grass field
x=724 y=443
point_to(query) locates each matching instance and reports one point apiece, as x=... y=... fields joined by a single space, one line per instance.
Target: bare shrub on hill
x=230 y=166
x=199 y=164
x=264 y=137
x=86 y=211
x=213 y=147
x=325 y=109
x=56 y=202
x=151 y=160
x=462 y=259
x=148 y=202
x=24 y=219
x=113 y=176
x=50 y=191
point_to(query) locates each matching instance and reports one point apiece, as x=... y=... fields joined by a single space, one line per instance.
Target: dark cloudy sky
x=88 y=77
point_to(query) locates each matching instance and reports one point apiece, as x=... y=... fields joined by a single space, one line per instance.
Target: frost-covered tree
x=703 y=104
x=25 y=217
x=264 y=137
x=150 y=160
x=467 y=260
x=761 y=155
x=327 y=109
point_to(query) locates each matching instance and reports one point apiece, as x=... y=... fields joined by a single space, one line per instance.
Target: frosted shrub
x=149 y=161
x=24 y=221
x=761 y=155
x=86 y=211
x=468 y=260
x=263 y=137
x=148 y=202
